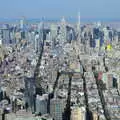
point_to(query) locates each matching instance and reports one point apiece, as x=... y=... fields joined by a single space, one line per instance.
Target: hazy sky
x=58 y=8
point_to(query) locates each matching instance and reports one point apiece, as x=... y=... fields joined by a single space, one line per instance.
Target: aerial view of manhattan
x=59 y=59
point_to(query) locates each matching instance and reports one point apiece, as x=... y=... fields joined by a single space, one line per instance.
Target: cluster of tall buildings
x=79 y=50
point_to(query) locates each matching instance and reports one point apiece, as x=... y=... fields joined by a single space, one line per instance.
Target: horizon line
x=69 y=19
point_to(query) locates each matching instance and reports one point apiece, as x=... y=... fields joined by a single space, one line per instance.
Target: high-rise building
x=95 y=116
x=106 y=36
x=53 y=34
x=79 y=40
x=118 y=83
x=108 y=80
x=109 y=83
x=78 y=29
x=39 y=35
x=0 y=37
x=6 y=36
x=53 y=29
x=17 y=37
x=70 y=35
x=12 y=37
x=22 y=22
x=78 y=113
x=30 y=92
x=48 y=37
x=41 y=30
x=97 y=43
x=23 y=35
x=56 y=108
x=63 y=31
x=92 y=43
x=31 y=37
x=41 y=104
x=23 y=28
x=37 y=42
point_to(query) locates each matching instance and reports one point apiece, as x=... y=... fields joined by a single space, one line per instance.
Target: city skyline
x=59 y=60
x=59 y=71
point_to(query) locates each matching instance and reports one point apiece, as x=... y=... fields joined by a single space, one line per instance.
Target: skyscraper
x=6 y=36
x=53 y=34
x=41 y=104
x=108 y=80
x=118 y=83
x=0 y=37
x=37 y=41
x=106 y=36
x=78 y=113
x=30 y=92
x=78 y=28
x=23 y=28
x=95 y=116
x=40 y=33
x=31 y=37
x=56 y=109
x=63 y=31
x=22 y=22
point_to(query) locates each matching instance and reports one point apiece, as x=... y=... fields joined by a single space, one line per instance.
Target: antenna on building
x=63 y=20
x=79 y=19
x=78 y=27
x=22 y=20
